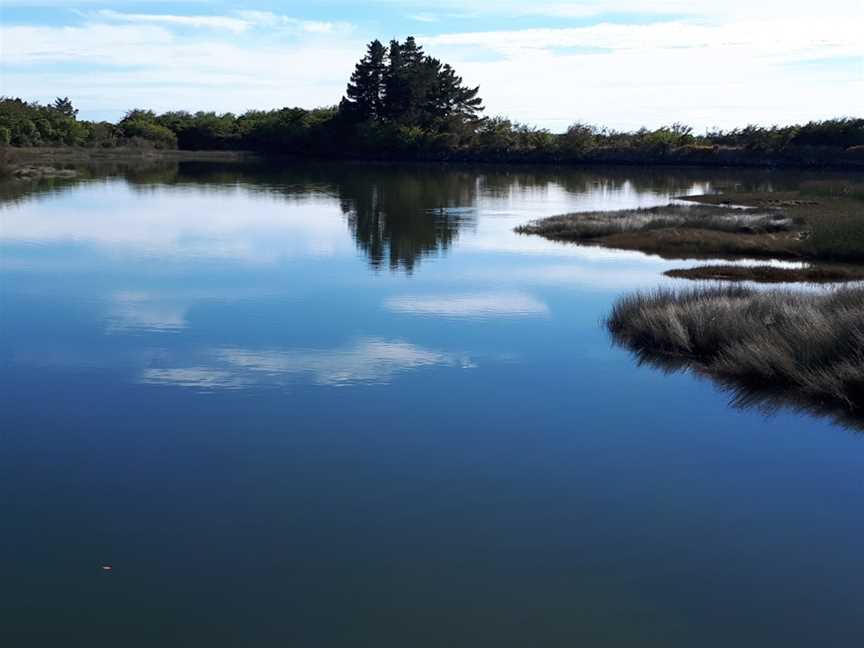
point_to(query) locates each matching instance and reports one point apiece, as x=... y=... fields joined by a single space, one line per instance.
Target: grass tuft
x=592 y=225
x=803 y=345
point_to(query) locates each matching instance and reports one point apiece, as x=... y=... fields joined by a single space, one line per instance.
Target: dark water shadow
x=768 y=399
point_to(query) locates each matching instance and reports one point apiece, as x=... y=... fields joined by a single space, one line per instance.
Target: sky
x=617 y=63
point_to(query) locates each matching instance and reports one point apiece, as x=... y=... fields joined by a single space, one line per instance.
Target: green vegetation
x=401 y=103
x=803 y=347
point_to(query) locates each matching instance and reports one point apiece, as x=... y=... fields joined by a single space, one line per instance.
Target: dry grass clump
x=832 y=225
x=771 y=274
x=808 y=345
x=592 y=225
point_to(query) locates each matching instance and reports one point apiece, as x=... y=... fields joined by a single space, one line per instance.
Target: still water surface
x=345 y=405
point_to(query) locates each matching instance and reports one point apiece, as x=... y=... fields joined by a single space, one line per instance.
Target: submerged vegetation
x=401 y=103
x=767 y=346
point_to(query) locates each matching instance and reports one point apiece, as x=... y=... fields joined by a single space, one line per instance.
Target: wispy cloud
x=211 y=22
x=132 y=311
x=424 y=17
x=273 y=20
x=470 y=305
x=367 y=361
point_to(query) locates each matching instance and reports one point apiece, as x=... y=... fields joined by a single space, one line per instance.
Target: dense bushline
x=401 y=103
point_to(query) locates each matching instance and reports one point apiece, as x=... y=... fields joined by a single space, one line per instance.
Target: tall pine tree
x=364 y=98
x=409 y=88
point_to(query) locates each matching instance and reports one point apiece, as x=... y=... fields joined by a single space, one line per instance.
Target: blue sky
x=620 y=63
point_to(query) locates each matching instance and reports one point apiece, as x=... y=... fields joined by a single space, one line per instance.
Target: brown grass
x=824 y=221
x=681 y=231
x=771 y=274
x=831 y=213
x=803 y=347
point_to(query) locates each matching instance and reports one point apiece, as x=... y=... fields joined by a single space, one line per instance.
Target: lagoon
x=346 y=405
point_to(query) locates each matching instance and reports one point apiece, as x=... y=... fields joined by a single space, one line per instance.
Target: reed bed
x=806 y=344
x=592 y=225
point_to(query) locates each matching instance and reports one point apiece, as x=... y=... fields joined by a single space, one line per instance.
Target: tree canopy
x=402 y=85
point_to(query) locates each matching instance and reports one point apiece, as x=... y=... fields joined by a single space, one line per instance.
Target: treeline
x=401 y=103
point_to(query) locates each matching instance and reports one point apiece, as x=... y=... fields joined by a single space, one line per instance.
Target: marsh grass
x=804 y=348
x=831 y=214
x=815 y=274
x=593 y=225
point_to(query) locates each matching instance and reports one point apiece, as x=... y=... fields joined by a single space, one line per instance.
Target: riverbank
x=696 y=155
x=546 y=150
x=66 y=161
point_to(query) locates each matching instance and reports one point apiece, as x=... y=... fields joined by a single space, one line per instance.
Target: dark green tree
x=364 y=98
x=448 y=96
x=410 y=90
x=64 y=107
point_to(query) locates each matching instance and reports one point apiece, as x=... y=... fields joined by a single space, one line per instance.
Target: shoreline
x=693 y=157
x=35 y=162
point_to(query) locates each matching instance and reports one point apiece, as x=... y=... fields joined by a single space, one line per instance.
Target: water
x=345 y=405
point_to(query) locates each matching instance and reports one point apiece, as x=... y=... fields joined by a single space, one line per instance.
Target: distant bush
x=140 y=128
x=32 y=124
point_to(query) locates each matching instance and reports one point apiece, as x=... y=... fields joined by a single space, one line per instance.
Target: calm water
x=348 y=406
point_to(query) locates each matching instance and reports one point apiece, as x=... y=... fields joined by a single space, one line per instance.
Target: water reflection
x=397 y=218
x=141 y=311
x=760 y=396
x=221 y=353
x=472 y=305
x=370 y=361
x=396 y=215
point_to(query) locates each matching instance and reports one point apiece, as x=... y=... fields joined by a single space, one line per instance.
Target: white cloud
x=424 y=17
x=205 y=378
x=703 y=9
x=793 y=40
x=126 y=65
x=632 y=75
x=470 y=305
x=212 y=22
x=367 y=361
x=270 y=19
x=141 y=311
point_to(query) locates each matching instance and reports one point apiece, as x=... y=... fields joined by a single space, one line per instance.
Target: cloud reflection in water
x=469 y=305
x=368 y=361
